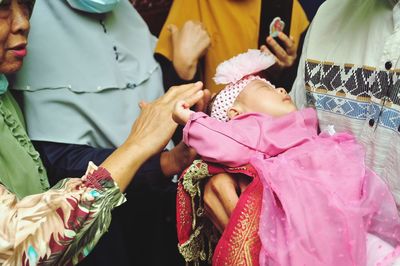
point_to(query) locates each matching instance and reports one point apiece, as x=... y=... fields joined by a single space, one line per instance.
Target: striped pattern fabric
x=364 y=101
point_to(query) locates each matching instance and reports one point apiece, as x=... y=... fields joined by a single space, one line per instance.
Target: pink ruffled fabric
x=319 y=203
x=319 y=199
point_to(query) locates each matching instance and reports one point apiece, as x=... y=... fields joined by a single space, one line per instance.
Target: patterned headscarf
x=237 y=72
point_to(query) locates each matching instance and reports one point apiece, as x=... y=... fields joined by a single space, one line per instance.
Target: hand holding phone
x=284 y=49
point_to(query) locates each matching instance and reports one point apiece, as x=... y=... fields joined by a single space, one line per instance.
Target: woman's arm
x=221 y=195
x=150 y=132
x=189 y=44
x=61 y=225
x=63 y=160
x=170 y=76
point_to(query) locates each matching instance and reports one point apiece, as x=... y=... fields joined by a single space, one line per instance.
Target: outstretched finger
x=286 y=40
x=194 y=98
x=202 y=104
x=173 y=29
x=181 y=105
x=143 y=104
x=182 y=92
x=276 y=49
x=289 y=43
x=264 y=49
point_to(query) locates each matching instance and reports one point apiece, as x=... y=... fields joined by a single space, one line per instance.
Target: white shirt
x=349 y=71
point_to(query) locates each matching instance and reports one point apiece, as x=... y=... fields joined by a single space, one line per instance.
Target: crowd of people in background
x=87 y=99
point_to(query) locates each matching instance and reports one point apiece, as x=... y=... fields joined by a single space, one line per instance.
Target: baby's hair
x=211 y=103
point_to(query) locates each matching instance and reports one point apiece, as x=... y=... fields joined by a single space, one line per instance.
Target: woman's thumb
x=173 y=29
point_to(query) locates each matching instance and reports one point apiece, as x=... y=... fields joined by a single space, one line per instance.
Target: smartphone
x=277 y=25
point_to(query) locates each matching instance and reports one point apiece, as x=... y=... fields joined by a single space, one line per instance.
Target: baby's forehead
x=252 y=90
x=257 y=83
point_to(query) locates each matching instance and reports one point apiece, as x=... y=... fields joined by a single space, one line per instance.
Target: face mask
x=93 y=6
x=3 y=84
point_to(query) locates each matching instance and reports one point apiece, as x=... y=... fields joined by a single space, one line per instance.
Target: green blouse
x=21 y=169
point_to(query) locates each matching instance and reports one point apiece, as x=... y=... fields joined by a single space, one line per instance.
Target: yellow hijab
x=233 y=27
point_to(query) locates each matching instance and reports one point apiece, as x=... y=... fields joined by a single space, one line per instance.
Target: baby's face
x=259 y=96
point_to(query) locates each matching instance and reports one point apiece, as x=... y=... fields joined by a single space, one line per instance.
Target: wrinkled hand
x=221 y=194
x=189 y=44
x=150 y=133
x=155 y=126
x=285 y=56
x=178 y=159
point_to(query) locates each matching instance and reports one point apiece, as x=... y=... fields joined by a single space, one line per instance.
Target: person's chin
x=289 y=107
x=11 y=67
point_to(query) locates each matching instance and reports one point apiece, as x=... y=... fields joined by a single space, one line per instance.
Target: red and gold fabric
x=198 y=240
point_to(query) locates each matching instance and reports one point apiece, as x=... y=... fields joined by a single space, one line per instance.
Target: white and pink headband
x=237 y=72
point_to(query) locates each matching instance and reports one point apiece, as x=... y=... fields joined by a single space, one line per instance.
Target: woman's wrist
x=176 y=160
x=167 y=168
x=185 y=67
x=124 y=162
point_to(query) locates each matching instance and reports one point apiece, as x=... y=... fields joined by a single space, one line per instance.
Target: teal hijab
x=85 y=74
x=21 y=170
x=3 y=84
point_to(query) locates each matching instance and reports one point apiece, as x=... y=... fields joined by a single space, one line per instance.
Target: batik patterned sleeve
x=60 y=226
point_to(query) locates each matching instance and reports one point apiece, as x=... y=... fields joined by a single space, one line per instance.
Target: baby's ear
x=234 y=111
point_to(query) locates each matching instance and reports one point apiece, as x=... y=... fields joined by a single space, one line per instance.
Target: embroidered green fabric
x=21 y=169
x=203 y=239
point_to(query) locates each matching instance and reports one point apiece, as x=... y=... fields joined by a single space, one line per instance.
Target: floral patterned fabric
x=60 y=226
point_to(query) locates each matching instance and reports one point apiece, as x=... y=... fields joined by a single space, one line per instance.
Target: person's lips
x=18 y=50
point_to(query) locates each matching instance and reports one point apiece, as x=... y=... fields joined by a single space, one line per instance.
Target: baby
x=321 y=204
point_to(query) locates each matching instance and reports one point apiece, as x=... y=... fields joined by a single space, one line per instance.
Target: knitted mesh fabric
x=226 y=98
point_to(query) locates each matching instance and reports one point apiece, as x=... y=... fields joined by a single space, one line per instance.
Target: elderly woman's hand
x=221 y=194
x=154 y=127
x=150 y=133
x=190 y=43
